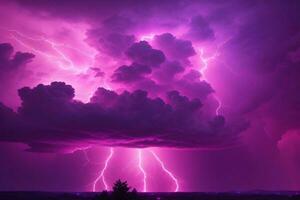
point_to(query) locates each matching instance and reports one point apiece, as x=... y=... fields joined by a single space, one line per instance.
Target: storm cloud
x=49 y=115
x=190 y=75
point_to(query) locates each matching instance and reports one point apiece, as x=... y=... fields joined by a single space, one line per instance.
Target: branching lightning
x=66 y=63
x=142 y=170
x=166 y=170
x=102 y=173
x=61 y=58
x=205 y=61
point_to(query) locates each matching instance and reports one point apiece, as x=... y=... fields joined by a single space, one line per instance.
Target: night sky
x=169 y=95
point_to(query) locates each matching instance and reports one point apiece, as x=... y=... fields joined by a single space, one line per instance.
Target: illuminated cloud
x=244 y=80
x=143 y=53
x=175 y=49
x=8 y=61
x=131 y=73
x=177 y=74
x=50 y=116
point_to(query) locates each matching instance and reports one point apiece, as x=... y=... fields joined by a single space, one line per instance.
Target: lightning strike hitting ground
x=66 y=63
x=166 y=170
x=142 y=170
x=102 y=173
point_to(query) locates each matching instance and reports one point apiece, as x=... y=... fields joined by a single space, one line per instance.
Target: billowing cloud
x=8 y=61
x=178 y=74
x=13 y=72
x=168 y=70
x=174 y=48
x=262 y=69
x=112 y=37
x=143 y=53
x=244 y=80
x=114 y=44
x=131 y=73
x=49 y=115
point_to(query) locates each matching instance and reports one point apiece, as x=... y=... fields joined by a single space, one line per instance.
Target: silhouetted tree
x=121 y=190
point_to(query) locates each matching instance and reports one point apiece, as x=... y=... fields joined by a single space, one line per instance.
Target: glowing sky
x=169 y=95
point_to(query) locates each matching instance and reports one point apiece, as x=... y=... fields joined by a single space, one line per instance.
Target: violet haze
x=169 y=95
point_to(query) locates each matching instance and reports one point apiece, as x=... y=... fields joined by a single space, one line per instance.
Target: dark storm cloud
x=117 y=24
x=260 y=72
x=168 y=70
x=274 y=39
x=141 y=52
x=8 y=118
x=75 y=10
x=95 y=10
x=113 y=36
x=283 y=107
x=200 y=30
x=130 y=73
x=13 y=72
x=255 y=75
x=49 y=115
x=265 y=76
x=194 y=89
x=10 y=61
x=114 y=44
x=174 y=48
x=6 y=51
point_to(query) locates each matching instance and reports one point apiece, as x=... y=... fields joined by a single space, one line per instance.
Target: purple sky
x=199 y=95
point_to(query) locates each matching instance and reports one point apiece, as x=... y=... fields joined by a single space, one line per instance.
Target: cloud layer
x=228 y=56
x=50 y=116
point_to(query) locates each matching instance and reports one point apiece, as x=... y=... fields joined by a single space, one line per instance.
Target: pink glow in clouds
x=228 y=109
x=59 y=53
x=205 y=61
x=64 y=59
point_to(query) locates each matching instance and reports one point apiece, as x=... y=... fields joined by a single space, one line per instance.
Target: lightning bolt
x=166 y=170
x=66 y=63
x=87 y=159
x=142 y=170
x=60 y=58
x=205 y=61
x=102 y=172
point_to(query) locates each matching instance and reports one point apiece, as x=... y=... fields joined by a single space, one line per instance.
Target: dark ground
x=152 y=196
